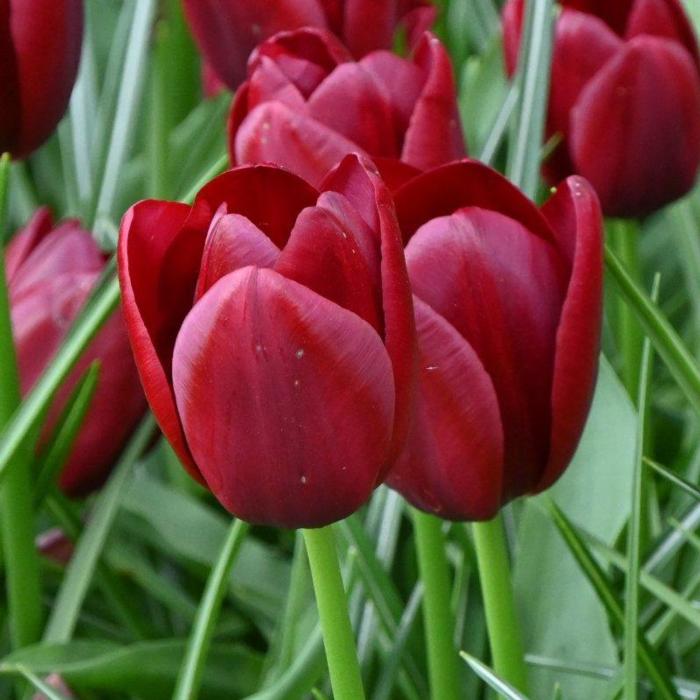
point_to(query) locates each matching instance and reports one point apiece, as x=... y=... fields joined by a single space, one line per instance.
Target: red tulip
x=40 y=44
x=273 y=330
x=625 y=97
x=50 y=274
x=306 y=104
x=228 y=30
x=508 y=314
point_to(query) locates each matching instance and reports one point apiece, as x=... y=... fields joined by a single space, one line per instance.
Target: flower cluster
x=356 y=302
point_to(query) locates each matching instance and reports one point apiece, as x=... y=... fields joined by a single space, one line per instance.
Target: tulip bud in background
x=50 y=272
x=55 y=681
x=227 y=31
x=625 y=97
x=508 y=304
x=40 y=45
x=307 y=104
x=273 y=330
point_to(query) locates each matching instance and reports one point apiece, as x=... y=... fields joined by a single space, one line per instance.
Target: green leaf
x=36 y=403
x=651 y=662
x=43 y=687
x=532 y=80
x=83 y=563
x=146 y=669
x=66 y=431
x=595 y=489
x=666 y=341
x=676 y=480
x=505 y=690
x=192 y=669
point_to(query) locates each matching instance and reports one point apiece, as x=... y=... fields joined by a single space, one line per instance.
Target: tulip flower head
x=508 y=304
x=227 y=31
x=306 y=104
x=625 y=97
x=273 y=330
x=50 y=273
x=40 y=44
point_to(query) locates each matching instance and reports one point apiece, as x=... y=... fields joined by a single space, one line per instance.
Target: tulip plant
x=349 y=349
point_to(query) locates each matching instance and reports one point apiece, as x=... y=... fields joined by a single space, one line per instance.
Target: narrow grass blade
x=631 y=627
x=36 y=403
x=653 y=665
x=127 y=105
x=505 y=690
x=215 y=169
x=676 y=480
x=666 y=341
x=40 y=685
x=66 y=431
x=532 y=79
x=189 y=678
x=82 y=566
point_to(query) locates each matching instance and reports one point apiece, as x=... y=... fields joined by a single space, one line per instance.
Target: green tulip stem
x=438 y=622
x=623 y=237
x=16 y=516
x=338 y=639
x=505 y=638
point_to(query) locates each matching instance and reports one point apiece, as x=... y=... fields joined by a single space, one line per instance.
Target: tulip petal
x=615 y=13
x=267 y=376
x=513 y=18
x=358 y=180
x=47 y=37
x=228 y=30
x=467 y=183
x=434 y=135
x=66 y=249
x=452 y=465
x=269 y=82
x=583 y=44
x=401 y=82
x=233 y=242
x=663 y=18
x=148 y=231
x=274 y=133
x=21 y=246
x=620 y=136
x=324 y=256
x=268 y=196
x=502 y=288
x=366 y=119
x=574 y=213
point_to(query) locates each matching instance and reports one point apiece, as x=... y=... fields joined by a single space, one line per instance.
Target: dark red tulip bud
x=625 y=97
x=56 y=546
x=51 y=272
x=307 y=104
x=40 y=45
x=508 y=304
x=228 y=31
x=273 y=331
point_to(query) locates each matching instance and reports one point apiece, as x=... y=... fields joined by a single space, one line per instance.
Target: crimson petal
x=452 y=465
x=620 y=136
x=574 y=213
x=502 y=288
x=148 y=231
x=233 y=242
x=291 y=369
x=26 y=240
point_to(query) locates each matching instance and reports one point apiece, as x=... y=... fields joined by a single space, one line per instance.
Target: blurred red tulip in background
x=273 y=330
x=306 y=104
x=508 y=304
x=51 y=272
x=40 y=43
x=625 y=97
x=228 y=30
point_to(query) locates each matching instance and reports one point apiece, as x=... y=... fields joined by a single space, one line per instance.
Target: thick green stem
x=332 y=603
x=16 y=515
x=501 y=619
x=623 y=235
x=443 y=659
